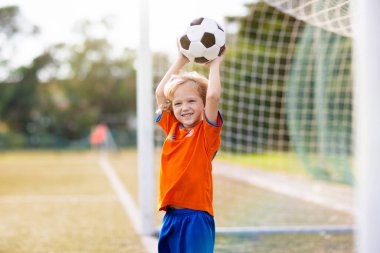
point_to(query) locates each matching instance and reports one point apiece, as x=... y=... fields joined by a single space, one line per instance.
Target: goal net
x=288 y=87
x=287 y=105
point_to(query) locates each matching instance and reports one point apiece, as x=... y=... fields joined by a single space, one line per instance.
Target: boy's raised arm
x=214 y=90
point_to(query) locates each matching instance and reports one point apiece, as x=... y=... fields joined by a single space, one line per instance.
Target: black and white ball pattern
x=203 y=41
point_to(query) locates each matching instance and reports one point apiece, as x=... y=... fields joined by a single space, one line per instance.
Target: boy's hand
x=180 y=57
x=217 y=60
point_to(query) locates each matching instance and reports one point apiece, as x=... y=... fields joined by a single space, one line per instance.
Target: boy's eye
x=177 y=104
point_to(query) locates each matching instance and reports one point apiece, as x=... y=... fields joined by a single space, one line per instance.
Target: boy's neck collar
x=181 y=126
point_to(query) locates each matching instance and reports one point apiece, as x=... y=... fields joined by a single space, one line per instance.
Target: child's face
x=187 y=105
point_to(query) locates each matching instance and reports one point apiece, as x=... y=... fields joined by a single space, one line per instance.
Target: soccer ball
x=203 y=41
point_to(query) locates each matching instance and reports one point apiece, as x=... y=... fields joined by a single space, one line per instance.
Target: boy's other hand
x=180 y=56
x=218 y=59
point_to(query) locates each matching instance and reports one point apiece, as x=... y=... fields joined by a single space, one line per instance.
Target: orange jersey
x=186 y=163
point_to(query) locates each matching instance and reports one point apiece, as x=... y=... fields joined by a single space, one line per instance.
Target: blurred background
x=283 y=177
x=70 y=56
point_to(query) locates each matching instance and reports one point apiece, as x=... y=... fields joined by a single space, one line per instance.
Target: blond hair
x=175 y=81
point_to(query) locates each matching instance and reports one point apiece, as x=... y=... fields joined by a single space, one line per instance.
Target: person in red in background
x=98 y=136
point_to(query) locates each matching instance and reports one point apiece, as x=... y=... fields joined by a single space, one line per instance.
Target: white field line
x=149 y=242
x=16 y=199
x=321 y=193
x=251 y=231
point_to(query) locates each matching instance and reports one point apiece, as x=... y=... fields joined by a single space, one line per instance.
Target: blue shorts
x=187 y=231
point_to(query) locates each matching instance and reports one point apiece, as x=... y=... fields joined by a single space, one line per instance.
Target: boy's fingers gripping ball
x=203 y=41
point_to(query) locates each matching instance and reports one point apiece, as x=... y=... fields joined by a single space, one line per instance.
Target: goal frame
x=366 y=52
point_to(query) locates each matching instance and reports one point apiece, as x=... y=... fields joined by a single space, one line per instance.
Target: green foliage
x=22 y=81
x=12 y=27
x=19 y=95
x=96 y=89
x=57 y=98
x=64 y=92
x=12 y=141
x=8 y=25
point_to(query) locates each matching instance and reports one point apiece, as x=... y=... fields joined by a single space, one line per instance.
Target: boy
x=189 y=115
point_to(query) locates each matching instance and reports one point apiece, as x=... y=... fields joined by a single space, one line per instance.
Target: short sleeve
x=212 y=131
x=165 y=120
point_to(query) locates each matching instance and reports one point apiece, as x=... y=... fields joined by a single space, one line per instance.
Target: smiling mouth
x=187 y=115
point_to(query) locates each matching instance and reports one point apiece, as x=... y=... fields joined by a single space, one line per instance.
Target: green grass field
x=60 y=202
x=238 y=205
x=63 y=202
x=275 y=161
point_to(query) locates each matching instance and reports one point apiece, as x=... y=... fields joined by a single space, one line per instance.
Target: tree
x=19 y=86
x=19 y=95
x=97 y=85
x=69 y=88
x=13 y=29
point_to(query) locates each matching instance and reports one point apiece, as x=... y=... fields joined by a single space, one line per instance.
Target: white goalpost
x=367 y=119
x=145 y=124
